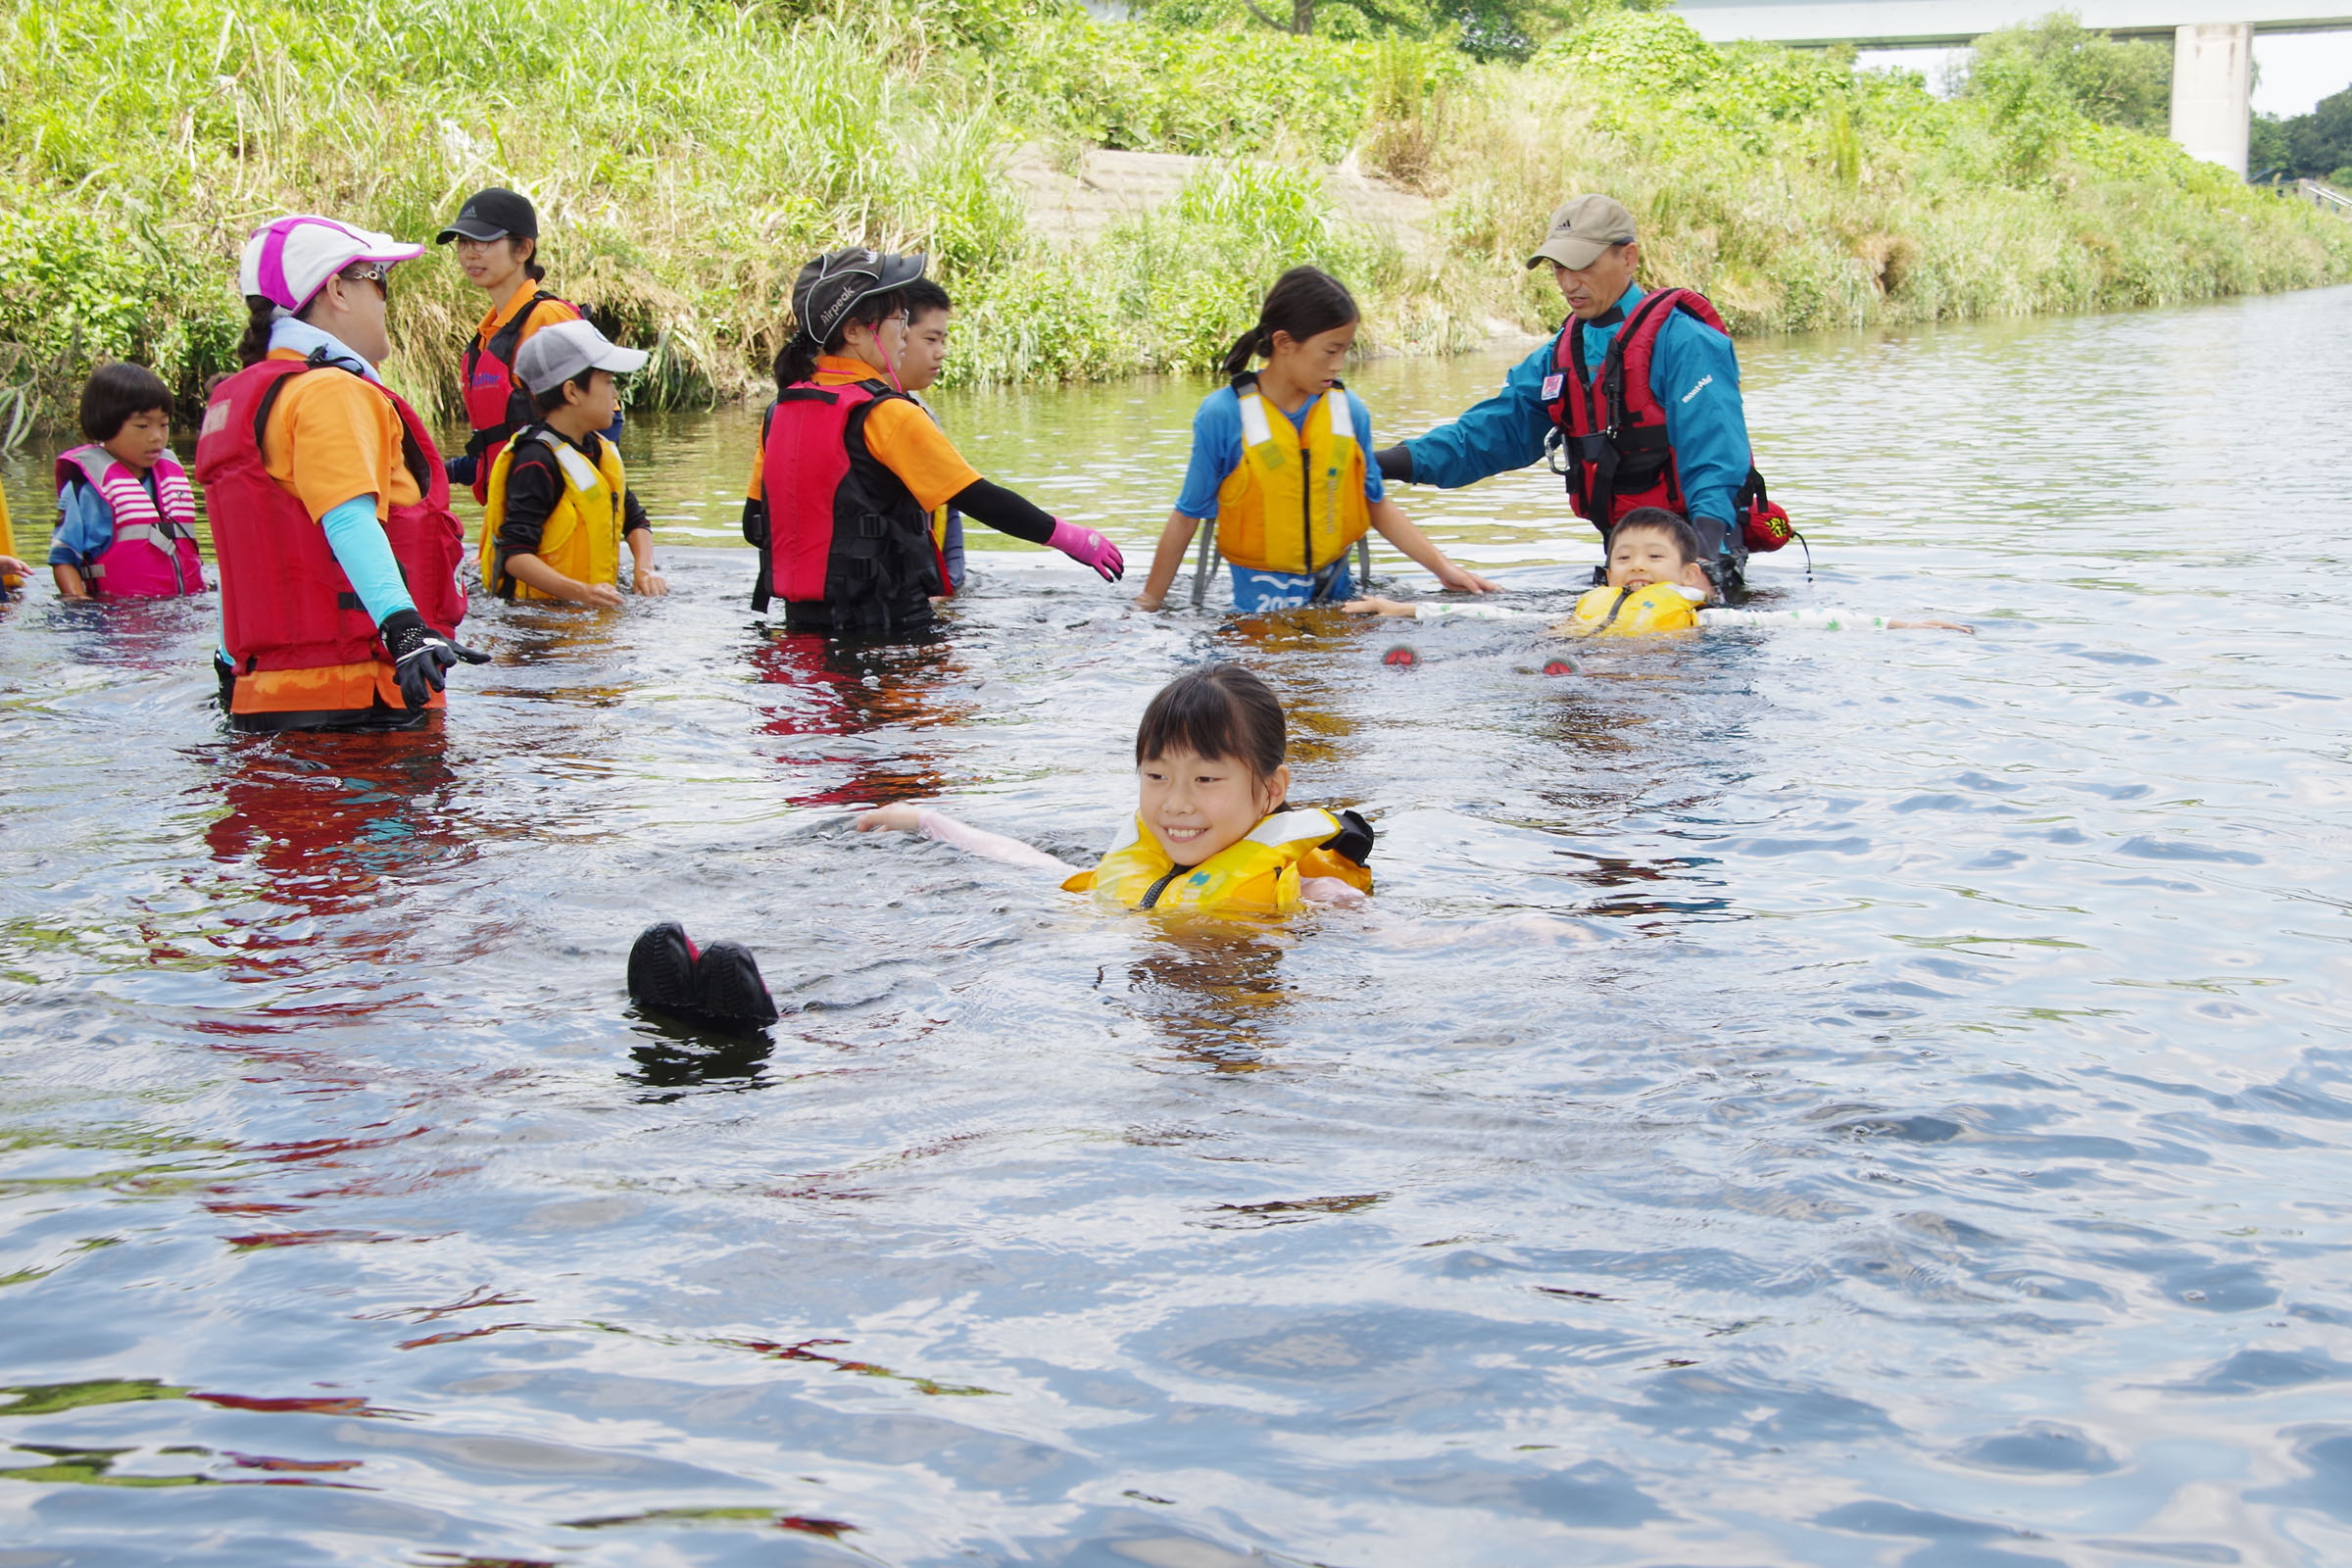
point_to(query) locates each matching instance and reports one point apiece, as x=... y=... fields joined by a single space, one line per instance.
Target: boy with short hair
x=1655 y=583
x=559 y=503
x=928 y=310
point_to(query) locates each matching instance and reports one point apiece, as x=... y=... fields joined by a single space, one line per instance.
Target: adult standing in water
x=851 y=467
x=337 y=551
x=497 y=235
x=1640 y=392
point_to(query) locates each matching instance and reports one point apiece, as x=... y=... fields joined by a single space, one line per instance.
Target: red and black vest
x=497 y=404
x=1611 y=424
x=843 y=532
x=1613 y=428
x=285 y=603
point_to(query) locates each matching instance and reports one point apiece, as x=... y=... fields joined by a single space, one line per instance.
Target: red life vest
x=1613 y=428
x=843 y=531
x=153 y=555
x=497 y=403
x=285 y=603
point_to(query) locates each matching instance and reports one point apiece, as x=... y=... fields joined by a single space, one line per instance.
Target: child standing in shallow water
x=1280 y=464
x=125 y=513
x=928 y=310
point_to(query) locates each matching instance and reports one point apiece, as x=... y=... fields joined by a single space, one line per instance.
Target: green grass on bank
x=688 y=155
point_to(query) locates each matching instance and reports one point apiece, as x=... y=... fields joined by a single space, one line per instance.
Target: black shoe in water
x=662 y=968
x=727 y=986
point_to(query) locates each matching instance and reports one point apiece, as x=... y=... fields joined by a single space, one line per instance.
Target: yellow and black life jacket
x=1296 y=500
x=1259 y=875
x=582 y=536
x=1633 y=611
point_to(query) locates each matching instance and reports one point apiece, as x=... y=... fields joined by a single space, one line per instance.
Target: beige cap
x=1583 y=227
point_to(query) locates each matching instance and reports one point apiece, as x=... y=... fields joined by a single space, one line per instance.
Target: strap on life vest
x=1599 y=451
x=501 y=347
x=763 y=591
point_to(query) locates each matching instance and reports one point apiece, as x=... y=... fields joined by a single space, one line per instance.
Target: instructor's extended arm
x=1506 y=431
x=1697 y=378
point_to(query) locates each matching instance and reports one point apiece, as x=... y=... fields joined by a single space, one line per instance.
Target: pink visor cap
x=290 y=260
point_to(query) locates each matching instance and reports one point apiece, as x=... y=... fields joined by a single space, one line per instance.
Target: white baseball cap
x=289 y=260
x=562 y=349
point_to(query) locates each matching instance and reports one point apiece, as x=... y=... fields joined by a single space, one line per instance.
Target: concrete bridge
x=2213 y=41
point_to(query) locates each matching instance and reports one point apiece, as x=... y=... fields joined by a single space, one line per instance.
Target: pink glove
x=1088 y=548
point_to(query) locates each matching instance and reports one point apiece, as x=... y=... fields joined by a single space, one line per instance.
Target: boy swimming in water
x=1656 y=584
x=1212 y=828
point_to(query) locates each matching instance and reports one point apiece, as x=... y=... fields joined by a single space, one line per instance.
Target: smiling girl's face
x=1197 y=805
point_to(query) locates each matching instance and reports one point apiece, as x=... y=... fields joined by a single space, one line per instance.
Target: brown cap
x=1583 y=227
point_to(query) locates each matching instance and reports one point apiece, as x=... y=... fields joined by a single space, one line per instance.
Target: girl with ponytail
x=1282 y=464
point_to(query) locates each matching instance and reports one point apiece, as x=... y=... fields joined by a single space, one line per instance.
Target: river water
x=1799 y=1098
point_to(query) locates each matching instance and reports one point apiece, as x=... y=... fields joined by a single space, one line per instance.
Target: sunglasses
x=375 y=272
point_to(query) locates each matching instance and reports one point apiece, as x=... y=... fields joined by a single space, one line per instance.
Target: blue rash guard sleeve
x=365 y=557
x=1695 y=375
x=85 y=527
x=1506 y=431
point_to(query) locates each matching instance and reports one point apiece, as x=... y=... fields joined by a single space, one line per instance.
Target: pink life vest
x=153 y=555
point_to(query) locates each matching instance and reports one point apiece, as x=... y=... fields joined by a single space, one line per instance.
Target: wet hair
x=552 y=399
x=115 y=392
x=1657 y=520
x=1303 y=301
x=1220 y=711
x=922 y=296
x=796 y=361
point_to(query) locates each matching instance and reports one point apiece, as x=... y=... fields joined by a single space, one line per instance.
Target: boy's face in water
x=142 y=438
x=926 y=349
x=1640 y=557
x=1197 y=806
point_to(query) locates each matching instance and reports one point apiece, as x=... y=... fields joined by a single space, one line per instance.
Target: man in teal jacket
x=1695 y=375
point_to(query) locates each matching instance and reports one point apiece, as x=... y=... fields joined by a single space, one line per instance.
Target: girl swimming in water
x=1211 y=829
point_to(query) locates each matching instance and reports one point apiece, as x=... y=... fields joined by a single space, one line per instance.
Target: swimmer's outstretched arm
x=977 y=840
x=1374 y=605
x=1824 y=619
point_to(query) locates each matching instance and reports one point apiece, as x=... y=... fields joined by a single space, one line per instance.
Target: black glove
x=422 y=656
x=461 y=469
x=1396 y=462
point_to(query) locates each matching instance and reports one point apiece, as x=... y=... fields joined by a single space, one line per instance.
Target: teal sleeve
x=365 y=557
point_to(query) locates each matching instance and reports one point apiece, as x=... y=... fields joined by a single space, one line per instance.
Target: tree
x=2127 y=84
x=2321 y=142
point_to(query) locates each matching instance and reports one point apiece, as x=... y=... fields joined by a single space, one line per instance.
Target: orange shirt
x=547 y=315
x=331 y=437
x=901 y=437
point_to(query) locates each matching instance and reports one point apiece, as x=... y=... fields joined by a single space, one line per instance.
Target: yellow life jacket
x=582 y=536
x=1296 y=500
x=1633 y=611
x=1259 y=875
x=8 y=545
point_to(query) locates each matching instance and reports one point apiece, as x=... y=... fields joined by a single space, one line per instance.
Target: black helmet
x=830 y=288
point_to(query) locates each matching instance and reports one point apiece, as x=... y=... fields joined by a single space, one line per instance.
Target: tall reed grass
x=688 y=155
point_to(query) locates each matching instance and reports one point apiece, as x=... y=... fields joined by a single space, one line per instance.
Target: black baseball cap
x=830 y=286
x=493 y=214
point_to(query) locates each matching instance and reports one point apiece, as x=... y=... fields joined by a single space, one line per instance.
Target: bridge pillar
x=2213 y=91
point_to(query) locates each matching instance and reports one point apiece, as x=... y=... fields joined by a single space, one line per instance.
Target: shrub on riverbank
x=1798 y=193
x=689 y=154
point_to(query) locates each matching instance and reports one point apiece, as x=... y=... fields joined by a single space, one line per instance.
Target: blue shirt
x=1694 y=374
x=85 y=523
x=1217 y=448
